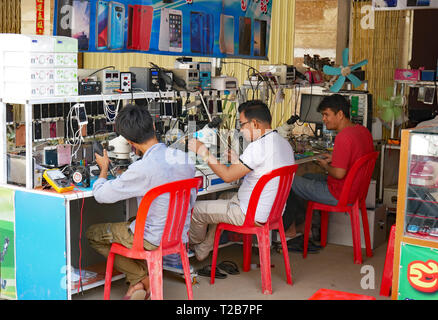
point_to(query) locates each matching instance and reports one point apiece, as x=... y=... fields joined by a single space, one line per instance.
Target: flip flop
x=206 y=272
x=229 y=267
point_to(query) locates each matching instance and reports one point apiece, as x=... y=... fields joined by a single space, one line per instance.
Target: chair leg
x=265 y=261
x=366 y=228
x=385 y=287
x=285 y=253
x=324 y=227
x=355 y=228
x=186 y=268
x=108 y=276
x=247 y=250
x=307 y=227
x=155 y=268
x=217 y=236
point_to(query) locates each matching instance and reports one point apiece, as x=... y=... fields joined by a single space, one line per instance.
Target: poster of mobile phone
x=404 y=4
x=206 y=28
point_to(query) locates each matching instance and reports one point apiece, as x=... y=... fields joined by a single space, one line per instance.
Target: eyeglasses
x=242 y=124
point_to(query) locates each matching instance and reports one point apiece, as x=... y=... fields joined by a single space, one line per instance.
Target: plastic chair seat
x=357 y=209
x=286 y=175
x=328 y=294
x=171 y=241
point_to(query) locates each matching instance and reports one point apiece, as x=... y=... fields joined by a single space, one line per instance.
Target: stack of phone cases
x=110 y=25
x=201 y=32
x=139 y=27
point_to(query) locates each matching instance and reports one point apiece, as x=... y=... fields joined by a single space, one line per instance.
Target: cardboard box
x=390 y=196
x=339 y=228
x=370 y=201
x=407 y=74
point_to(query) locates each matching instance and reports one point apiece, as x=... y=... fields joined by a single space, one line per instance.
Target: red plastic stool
x=385 y=287
x=327 y=294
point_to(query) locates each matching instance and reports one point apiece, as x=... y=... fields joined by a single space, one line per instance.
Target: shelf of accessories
x=411 y=83
x=28 y=103
x=116 y=96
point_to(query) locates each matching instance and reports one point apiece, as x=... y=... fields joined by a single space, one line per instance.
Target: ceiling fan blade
x=355 y=80
x=360 y=64
x=338 y=84
x=345 y=57
x=331 y=71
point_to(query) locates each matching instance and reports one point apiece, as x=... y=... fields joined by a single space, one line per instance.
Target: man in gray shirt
x=158 y=165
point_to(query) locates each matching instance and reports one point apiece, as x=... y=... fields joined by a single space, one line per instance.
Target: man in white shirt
x=266 y=151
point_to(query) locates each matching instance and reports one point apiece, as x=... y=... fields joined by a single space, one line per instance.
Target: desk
x=43 y=228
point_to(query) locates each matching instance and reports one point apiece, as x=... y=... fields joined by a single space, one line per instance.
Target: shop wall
x=10 y=16
x=28 y=16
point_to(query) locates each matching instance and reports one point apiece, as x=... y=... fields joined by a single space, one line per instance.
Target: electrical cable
x=101 y=70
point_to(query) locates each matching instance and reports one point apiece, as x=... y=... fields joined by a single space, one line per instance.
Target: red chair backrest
x=179 y=201
x=365 y=165
x=286 y=175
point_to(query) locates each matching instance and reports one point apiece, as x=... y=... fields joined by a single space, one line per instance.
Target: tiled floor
x=331 y=268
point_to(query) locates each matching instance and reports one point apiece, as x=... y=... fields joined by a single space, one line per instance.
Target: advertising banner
x=208 y=28
x=8 y=288
x=404 y=4
x=418 y=273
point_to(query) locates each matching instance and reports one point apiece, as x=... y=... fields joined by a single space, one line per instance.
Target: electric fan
x=344 y=72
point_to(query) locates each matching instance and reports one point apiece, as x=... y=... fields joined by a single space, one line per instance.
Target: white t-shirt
x=271 y=151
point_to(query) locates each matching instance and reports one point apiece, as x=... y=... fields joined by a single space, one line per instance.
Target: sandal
x=206 y=272
x=229 y=267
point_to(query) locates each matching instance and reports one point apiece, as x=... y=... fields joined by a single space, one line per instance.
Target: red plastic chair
x=328 y=294
x=248 y=228
x=171 y=241
x=365 y=163
x=385 y=287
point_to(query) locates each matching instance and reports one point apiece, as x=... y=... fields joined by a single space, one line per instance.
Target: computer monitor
x=309 y=108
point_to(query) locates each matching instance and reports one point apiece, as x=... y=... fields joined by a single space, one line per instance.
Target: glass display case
x=415 y=267
x=421 y=216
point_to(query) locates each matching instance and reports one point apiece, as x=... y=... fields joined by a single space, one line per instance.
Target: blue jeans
x=310 y=186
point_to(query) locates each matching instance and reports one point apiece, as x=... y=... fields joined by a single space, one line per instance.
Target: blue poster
x=207 y=28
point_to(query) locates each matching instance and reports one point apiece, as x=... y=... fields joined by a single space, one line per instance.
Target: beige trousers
x=206 y=215
x=101 y=236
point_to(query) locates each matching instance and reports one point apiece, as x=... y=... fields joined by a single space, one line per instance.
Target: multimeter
x=58 y=180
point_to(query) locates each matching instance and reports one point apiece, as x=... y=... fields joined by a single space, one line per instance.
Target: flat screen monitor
x=309 y=108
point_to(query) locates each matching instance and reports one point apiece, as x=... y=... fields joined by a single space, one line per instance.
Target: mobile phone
x=195 y=31
x=139 y=27
x=36 y=111
x=81 y=23
x=64 y=14
x=260 y=27
x=37 y=130
x=102 y=25
x=116 y=23
x=201 y=32
x=53 y=129
x=171 y=24
x=44 y=111
x=226 y=37
x=244 y=36
x=81 y=114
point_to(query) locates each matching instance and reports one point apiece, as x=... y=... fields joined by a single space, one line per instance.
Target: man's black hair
x=256 y=109
x=135 y=123
x=336 y=103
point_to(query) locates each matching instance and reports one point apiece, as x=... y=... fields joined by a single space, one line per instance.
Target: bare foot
x=136 y=287
x=291 y=231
